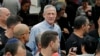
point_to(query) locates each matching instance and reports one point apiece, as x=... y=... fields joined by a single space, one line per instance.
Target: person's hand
x=65 y=15
x=71 y=53
x=65 y=30
x=89 y=13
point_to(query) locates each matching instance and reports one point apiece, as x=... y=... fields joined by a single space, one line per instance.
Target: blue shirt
x=40 y=28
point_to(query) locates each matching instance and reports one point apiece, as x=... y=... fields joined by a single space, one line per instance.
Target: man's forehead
x=50 y=9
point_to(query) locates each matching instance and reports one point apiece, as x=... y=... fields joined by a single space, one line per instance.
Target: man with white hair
x=49 y=15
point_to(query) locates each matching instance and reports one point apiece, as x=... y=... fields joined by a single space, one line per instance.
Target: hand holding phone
x=73 y=49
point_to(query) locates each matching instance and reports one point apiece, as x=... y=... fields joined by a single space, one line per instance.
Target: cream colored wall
x=61 y=0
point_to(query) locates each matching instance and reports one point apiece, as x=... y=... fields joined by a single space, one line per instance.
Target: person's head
x=14 y=48
x=4 y=14
x=97 y=53
x=50 y=14
x=25 y=5
x=38 y=40
x=89 y=44
x=13 y=20
x=50 y=39
x=21 y=32
x=60 y=8
x=81 y=23
x=84 y=3
x=97 y=2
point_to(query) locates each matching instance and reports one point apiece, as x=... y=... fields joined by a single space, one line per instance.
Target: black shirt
x=95 y=14
x=95 y=34
x=74 y=41
x=1 y=30
x=3 y=40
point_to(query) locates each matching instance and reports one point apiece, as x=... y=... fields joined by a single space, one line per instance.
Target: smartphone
x=73 y=49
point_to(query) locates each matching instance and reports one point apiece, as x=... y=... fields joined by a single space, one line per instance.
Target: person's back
x=12 y=5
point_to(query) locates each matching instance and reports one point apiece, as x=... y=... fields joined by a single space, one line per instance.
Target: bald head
x=4 y=10
x=4 y=14
x=20 y=29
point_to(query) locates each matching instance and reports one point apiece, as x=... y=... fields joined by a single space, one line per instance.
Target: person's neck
x=3 y=25
x=79 y=33
x=46 y=52
x=9 y=33
x=51 y=24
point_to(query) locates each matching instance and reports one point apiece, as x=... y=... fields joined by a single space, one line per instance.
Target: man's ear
x=43 y=14
x=8 y=54
x=51 y=44
x=83 y=26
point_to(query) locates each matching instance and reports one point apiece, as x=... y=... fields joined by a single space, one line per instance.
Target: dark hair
x=84 y=0
x=47 y=37
x=90 y=44
x=24 y=2
x=59 y=5
x=79 y=21
x=13 y=20
x=12 y=46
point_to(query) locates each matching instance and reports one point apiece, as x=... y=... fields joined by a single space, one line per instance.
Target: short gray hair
x=38 y=38
x=48 y=6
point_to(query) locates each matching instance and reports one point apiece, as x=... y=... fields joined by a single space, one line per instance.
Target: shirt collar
x=48 y=25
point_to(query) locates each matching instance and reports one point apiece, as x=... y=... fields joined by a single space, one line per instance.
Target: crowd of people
x=65 y=28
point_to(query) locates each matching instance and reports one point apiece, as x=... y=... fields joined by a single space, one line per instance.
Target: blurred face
x=26 y=6
x=61 y=13
x=20 y=52
x=50 y=15
x=26 y=35
x=84 y=4
x=97 y=2
x=56 y=45
x=87 y=26
x=5 y=14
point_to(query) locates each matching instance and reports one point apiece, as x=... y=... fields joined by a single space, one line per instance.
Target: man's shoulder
x=37 y=25
x=56 y=25
x=72 y=38
x=1 y=30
